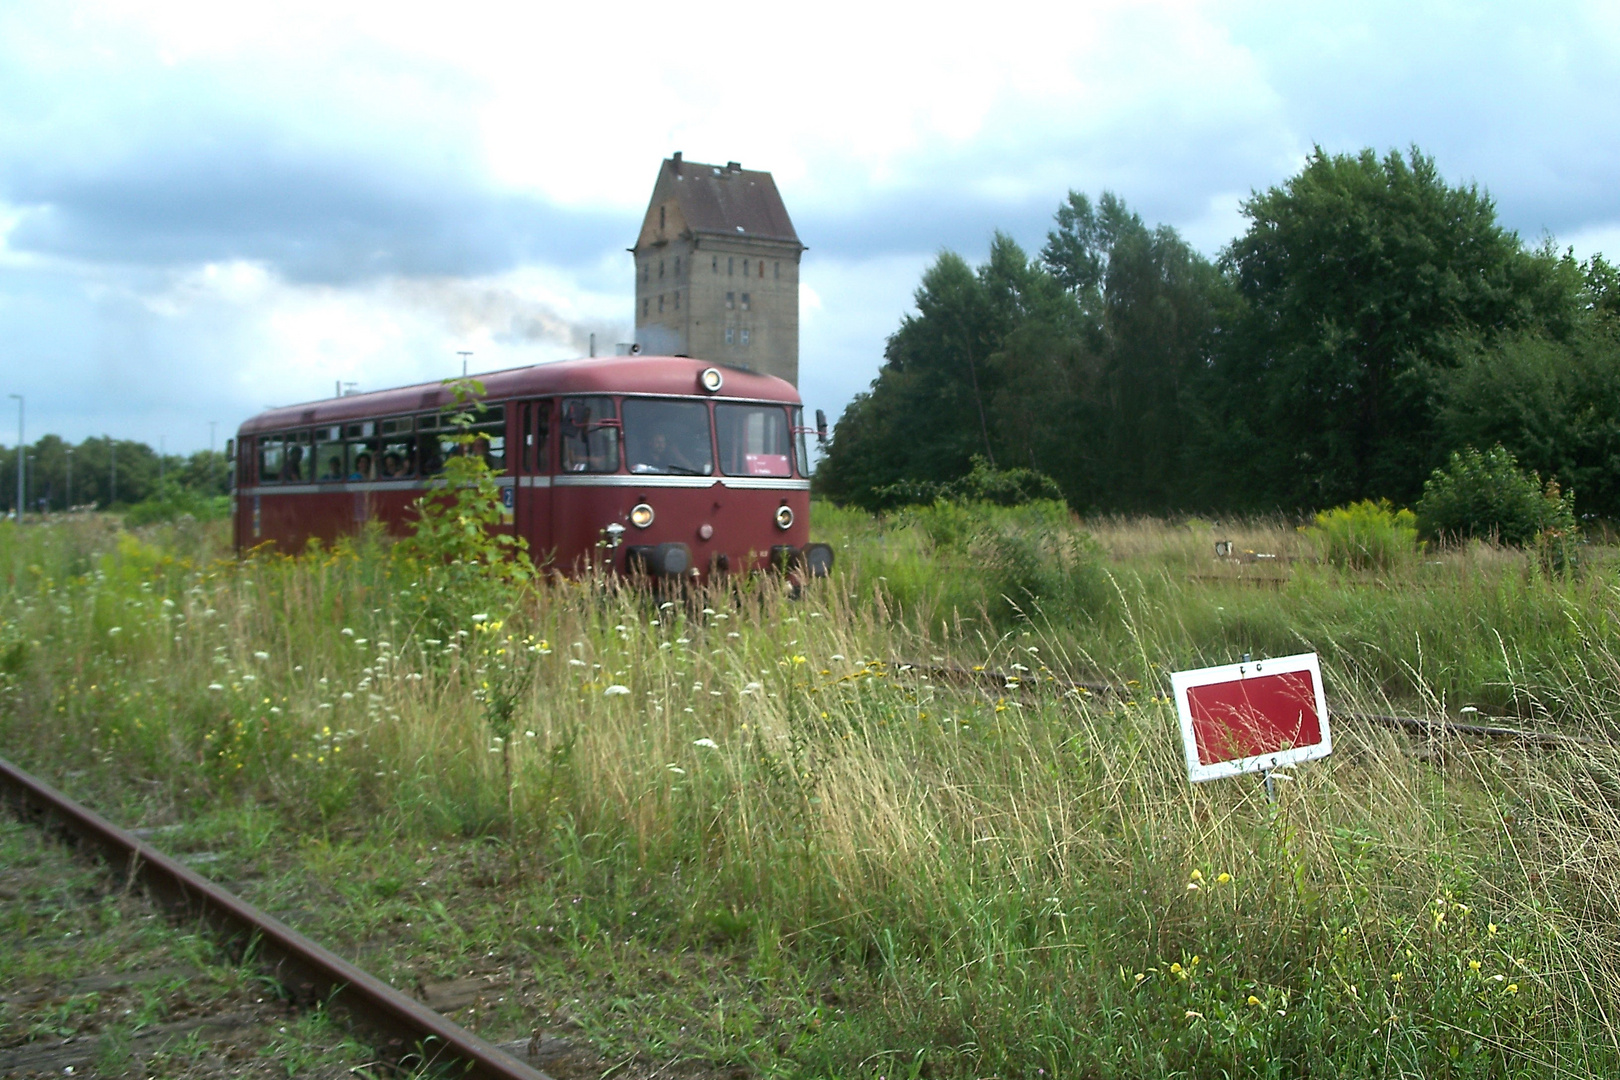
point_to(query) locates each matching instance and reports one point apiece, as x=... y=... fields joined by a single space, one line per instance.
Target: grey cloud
x=311 y=218
x=146 y=165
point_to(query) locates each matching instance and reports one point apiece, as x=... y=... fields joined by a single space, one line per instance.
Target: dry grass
x=1002 y=882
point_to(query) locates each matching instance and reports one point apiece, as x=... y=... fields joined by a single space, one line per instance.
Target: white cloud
x=207 y=207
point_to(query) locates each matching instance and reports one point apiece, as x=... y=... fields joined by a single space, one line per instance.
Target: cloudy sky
x=208 y=208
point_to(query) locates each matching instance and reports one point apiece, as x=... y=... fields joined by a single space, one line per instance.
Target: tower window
x=715 y=265
x=762 y=268
x=646 y=270
x=660 y=303
x=731 y=264
x=745 y=301
x=776 y=270
x=645 y=304
x=677 y=266
x=745 y=336
x=660 y=267
x=677 y=299
x=730 y=335
x=660 y=217
x=731 y=300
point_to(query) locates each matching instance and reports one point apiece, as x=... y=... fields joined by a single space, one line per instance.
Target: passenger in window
x=362 y=467
x=334 y=469
x=392 y=467
x=293 y=468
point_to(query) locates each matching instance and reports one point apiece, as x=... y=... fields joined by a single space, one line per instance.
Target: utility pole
x=464 y=354
x=112 y=472
x=22 y=455
x=211 y=472
x=67 y=498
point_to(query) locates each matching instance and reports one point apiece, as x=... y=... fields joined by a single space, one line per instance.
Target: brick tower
x=717 y=269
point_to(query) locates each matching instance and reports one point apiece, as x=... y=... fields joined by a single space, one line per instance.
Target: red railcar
x=664 y=465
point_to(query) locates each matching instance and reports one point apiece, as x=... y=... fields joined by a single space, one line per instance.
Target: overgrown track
x=1005 y=682
x=404 y=1031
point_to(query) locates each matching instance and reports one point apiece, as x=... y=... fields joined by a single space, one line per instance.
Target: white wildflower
x=615 y=690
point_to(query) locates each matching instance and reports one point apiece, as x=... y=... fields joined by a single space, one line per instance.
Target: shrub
x=984 y=483
x=1488 y=495
x=172 y=501
x=1365 y=535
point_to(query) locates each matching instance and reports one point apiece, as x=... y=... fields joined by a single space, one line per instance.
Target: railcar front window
x=754 y=440
x=589 y=435
x=669 y=437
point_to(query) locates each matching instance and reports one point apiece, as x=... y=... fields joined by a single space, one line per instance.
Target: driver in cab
x=663 y=455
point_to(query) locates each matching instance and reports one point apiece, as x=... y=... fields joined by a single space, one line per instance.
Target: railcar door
x=532 y=489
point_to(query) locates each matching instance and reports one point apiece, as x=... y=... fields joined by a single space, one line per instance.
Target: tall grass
x=967 y=883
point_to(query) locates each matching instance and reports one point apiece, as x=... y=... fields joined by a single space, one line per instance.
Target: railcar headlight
x=641 y=515
x=784 y=517
x=711 y=380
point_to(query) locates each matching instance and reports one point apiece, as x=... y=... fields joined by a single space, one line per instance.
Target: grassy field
x=739 y=834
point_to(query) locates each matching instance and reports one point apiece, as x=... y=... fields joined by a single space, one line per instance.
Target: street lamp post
x=464 y=354
x=21 y=455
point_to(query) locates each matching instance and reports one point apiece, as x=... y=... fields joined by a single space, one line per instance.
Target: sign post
x=1254 y=716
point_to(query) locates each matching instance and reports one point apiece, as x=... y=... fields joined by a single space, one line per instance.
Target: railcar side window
x=667 y=437
x=754 y=440
x=270 y=455
x=489 y=436
x=295 y=457
x=329 y=454
x=360 y=450
x=534 y=424
x=589 y=428
x=398 y=461
x=799 y=443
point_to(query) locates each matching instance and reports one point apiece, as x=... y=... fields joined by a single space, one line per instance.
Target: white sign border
x=1182 y=681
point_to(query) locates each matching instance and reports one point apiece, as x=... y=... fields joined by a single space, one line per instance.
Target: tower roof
x=718 y=200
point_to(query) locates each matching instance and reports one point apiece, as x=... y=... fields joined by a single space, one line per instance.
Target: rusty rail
x=404 y=1030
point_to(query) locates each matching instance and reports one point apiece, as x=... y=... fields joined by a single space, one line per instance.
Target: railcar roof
x=673 y=375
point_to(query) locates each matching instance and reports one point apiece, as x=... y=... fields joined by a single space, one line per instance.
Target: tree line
x=1371 y=320
x=106 y=473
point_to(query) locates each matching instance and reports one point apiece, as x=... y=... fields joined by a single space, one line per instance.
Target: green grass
x=779 y=849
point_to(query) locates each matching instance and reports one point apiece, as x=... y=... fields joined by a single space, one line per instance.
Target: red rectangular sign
x=1252 y=716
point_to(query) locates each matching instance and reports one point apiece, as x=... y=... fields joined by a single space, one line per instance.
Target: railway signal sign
x=1254 y=716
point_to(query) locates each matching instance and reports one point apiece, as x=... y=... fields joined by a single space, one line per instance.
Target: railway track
x=1010 y=682
x=403 y=1033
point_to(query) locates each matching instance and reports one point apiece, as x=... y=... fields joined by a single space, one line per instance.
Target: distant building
x=717 y=269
